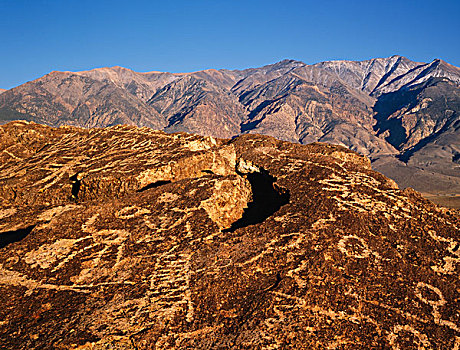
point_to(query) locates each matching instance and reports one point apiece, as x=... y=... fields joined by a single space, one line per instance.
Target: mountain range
x=403 y=115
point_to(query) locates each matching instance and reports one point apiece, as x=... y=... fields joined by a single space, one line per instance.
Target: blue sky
x=38 y=36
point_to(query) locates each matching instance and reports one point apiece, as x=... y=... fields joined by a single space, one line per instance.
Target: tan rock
x=129 y=238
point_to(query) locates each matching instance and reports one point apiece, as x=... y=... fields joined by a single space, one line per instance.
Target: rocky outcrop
x=130 y=238
x=393 y=110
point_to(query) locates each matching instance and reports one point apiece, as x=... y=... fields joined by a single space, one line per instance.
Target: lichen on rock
x=180 y=241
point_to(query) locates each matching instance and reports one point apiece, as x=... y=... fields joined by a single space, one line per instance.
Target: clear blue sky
x=38 y=36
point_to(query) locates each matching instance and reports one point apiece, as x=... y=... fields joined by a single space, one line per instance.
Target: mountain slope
x=369 y=75
x=423 y=123
x=141 y=85
x=420 y=74
x=74 y=99
x=191 y=104
x=293 y=109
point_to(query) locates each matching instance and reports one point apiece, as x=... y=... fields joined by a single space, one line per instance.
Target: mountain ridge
x=383 y=107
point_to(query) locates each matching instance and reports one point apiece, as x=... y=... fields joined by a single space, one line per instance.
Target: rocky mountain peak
x=283 y=64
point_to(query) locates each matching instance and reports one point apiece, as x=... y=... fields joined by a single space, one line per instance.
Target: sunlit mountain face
x=404 y=115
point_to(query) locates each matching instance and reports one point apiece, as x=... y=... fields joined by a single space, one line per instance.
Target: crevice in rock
x=14 y=236
x=154 y=185
x=267 y=199
x=454 y=249
x=76 y=184
x=275 y=284
x=456 y=158
x=207 y=171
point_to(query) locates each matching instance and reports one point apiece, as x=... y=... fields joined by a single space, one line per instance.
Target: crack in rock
x=267 y=196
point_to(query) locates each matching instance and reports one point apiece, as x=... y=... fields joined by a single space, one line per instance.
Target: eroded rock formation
x=128 y=238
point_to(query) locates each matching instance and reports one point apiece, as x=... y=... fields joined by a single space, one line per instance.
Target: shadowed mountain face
x=130 y=238
x=400 y=113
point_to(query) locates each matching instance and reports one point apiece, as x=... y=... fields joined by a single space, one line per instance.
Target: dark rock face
x=404 y=115
x=127 y=238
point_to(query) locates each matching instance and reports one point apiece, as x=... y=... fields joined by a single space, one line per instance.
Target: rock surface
x=128 y=238
x=404 y=115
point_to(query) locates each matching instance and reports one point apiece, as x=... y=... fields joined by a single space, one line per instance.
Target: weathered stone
x=127 y=238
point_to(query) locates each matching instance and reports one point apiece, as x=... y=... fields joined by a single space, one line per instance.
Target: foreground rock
x=127 y=238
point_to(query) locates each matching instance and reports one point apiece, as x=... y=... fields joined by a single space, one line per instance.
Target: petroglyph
x=49 y=214
x=47 y=254
x=452 y=260
x=419 y=339
x=355 y=247
x=348 y=198
x=323 y=223
x=456 y=344
x=5 y=213
x=13 y=278
x=170 y=287
x=131 y=212
x=343 y=260
x=436 y=303
x=94 y=155
x=287 y=306
x=168 y=197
